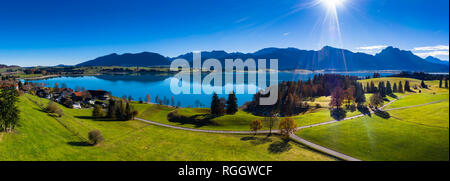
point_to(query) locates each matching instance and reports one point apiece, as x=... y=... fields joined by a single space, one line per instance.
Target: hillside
x=144 y=59
x=436 y=60
x=42 y=137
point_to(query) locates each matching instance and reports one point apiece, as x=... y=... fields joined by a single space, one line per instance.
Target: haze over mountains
x=327 y=58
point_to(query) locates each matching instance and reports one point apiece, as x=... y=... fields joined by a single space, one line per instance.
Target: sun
x=332 y=4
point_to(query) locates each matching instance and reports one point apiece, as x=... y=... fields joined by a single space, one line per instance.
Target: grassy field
x=430 y=115
x=42 y=137
x=200 y=118
x=418 y=133
x=375 y=138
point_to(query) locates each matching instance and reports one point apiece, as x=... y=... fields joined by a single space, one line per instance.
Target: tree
x=373 y=89
x=95 y=137
x=381 y=89
x=394 y=89
x=215 y=103
x=98 y=112
x=376 y=100
x=337 y=97
x=111 y=113
x=222 y=103
x=256 y=125
x=407 y=87
x=360 y=98
x=287 y=126
x=270 y=120
x=440 y=82
x=232 y=106
x=423 y=85
x=9 y=113
x=400 y=87
x=388 y=88
x=446 y=83
x=349 y=94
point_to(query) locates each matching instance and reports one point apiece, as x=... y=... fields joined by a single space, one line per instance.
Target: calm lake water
x=138 y=86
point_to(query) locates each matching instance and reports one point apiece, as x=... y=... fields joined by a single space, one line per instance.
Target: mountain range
x=328 y=58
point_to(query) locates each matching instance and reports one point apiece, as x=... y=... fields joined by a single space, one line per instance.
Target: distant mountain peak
x=327 y=58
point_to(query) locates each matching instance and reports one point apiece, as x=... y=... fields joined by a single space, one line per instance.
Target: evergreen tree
x=440 y=82
x=381 y=89
x=446 y=83
x=97 y=112
x=400 y=87
x=128 y=114
x=360 y=98
x=9 y=113
x=388 y=88
x=215 y=103
x=232 y=106
x=407 y=87
x=423 y=85
x=373 y=89
x=394 y=89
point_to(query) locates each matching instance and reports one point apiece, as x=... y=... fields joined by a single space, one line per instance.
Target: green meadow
x=43 y=137
x=414 y=133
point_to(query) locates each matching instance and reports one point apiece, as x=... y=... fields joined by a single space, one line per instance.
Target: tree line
x=117 y=109
x=293 y=95
x=222 y=106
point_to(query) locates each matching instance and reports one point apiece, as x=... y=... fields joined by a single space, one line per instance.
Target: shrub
x=95 y=137
x=59 y=112
x=51 y=107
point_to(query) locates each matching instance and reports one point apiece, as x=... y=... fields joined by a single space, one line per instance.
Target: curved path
x=293 y=136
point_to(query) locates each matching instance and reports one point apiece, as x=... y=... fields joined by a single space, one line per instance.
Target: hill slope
x=143 y=59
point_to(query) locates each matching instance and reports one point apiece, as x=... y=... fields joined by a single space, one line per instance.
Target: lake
x=138 y=86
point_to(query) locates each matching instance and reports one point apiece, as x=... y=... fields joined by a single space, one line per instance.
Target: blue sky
x=51 y=32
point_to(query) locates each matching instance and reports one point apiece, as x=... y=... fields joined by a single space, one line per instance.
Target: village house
x=99 y=94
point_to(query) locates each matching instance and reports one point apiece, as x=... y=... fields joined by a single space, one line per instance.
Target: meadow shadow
x=78 y=143
x=364 y=110
x=338 y=113
x=198 y=120
x=97 y=119
x=279 y=147
x=382 y=114
x=256 y=140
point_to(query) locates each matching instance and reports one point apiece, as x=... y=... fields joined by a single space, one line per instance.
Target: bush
x=59 y=112
x=51 y=107
x=95 y=137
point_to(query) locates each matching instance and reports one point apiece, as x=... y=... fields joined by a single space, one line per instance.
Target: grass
x=417 y=99
x=417 y=133
x=42 y=137
x=375 y=138
x=430 y=115
x=201 y=119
